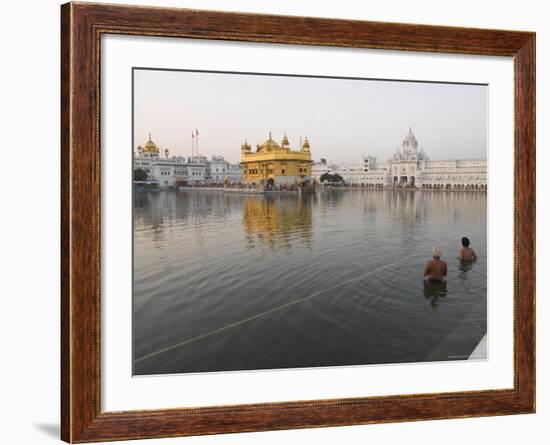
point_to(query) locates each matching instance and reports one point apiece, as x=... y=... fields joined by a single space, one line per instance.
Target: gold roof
x=269 y=144
x=150 y=146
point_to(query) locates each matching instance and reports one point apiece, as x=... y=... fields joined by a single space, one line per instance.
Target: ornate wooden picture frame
x=82 y=26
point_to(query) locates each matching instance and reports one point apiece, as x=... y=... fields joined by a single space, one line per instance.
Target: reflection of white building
x=178 y=170
x=411 y=168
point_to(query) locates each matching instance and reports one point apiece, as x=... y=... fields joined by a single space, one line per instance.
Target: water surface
x=237 y=282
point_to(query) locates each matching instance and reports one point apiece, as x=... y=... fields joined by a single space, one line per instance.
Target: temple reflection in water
x=278 y=221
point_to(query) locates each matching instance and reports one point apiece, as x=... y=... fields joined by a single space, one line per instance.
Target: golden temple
x=274 y=164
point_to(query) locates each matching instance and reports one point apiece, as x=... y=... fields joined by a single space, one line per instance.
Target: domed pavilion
x=274 y=164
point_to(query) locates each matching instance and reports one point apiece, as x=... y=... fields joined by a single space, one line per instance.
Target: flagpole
x=197 y=142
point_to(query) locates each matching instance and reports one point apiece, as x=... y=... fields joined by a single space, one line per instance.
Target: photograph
x=298 y=221
x=289 y=219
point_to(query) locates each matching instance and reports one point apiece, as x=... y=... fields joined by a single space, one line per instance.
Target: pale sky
x=343 y=118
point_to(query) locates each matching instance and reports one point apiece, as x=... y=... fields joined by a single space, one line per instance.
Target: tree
x=140 y=175
x=331 y=178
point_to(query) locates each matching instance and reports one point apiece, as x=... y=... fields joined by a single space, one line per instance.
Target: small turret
x=305 y=146
x=397 y=154
x=422 y=155
x=284 y=142
x=167 y=153
x=246 y=146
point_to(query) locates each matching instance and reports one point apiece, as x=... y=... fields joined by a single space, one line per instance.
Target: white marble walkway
x=480 y=351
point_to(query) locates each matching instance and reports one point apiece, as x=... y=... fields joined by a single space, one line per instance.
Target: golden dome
x=150 y=146
x=269 y=144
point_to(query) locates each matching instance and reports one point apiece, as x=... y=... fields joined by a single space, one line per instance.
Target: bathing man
x=466 y=253
x=436 y=268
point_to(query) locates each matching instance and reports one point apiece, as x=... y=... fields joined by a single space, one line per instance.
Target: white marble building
x=179 y=170
x=367 y=173
x=318 y=169
x=234 y=173
x=411 y=168
x=220 y=171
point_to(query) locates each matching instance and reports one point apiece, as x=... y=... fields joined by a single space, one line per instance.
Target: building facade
x=410 y=168
x=318 y=169
x=222 y=171
x=181 y=171
x=274 y=164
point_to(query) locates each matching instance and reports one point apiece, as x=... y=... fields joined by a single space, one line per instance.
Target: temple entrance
x=403 y=181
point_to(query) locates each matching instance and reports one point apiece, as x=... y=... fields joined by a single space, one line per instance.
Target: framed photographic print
x=274 y=222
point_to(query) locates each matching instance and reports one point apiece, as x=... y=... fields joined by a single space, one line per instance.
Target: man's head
x=436 y=252
x=465 y=242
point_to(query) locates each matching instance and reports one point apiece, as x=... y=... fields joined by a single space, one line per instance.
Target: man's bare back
x=435 y=270
x=467 y=254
